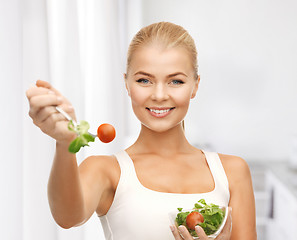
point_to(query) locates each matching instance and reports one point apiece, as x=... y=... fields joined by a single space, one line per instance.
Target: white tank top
x=141 y=213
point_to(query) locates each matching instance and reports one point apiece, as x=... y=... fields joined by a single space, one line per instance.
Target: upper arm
x=98 y=175
x=242 y=198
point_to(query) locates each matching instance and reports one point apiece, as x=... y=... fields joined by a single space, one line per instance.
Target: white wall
x=38 y=149
x=10 y=120
x=246 y=104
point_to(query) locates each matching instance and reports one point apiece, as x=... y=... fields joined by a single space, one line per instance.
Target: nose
x=160 y=92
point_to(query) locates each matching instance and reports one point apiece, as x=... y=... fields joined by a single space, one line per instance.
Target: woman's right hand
x=43 y=99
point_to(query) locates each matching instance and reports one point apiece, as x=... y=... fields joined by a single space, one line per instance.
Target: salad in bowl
x=210 y=217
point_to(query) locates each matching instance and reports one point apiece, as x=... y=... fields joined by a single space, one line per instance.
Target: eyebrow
x=170 y=75
x=144 y=73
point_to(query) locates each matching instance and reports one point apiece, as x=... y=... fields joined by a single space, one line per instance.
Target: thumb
x=41 y=83
x=45 y=84
x=200 y=232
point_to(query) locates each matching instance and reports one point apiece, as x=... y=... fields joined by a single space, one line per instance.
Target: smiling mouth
x=160 y=110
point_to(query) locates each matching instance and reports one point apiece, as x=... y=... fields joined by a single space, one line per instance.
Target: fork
x=67 y=116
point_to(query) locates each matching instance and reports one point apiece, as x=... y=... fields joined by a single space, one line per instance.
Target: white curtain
x=80 y=48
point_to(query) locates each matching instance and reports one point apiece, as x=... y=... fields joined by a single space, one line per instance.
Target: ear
x=126 y=84
x=195 y=87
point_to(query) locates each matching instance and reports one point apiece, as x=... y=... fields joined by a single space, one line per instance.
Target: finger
x=48 y=86
x=41 y=101
x=51 y=121
x=200 y=232
x=67 y=109
x=175 y=232
x=185 y=233
x=33 y=91
x=44 y=84
x=43 y=114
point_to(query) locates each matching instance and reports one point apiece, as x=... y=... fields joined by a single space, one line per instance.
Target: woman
x=134 y=190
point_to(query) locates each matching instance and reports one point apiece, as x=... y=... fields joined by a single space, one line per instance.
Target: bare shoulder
x=100 y=166
x=235 y=167
x=99 y=177
x=98 y=160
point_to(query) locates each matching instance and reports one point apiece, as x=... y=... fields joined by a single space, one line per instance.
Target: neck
x=166 y=143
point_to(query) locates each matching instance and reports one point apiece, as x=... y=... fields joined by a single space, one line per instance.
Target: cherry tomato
x=106 y=132
x=193 y=219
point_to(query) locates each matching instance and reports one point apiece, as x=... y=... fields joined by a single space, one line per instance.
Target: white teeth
x=159 y=111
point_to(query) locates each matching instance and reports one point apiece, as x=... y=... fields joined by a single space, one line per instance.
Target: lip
x=160 y=115
x=160 y=108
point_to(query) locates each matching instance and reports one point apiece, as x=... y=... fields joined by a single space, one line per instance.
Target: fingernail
x=171 y=228
x=181 y=228
x=51 y=92
x=70 y=107
x=197 y=229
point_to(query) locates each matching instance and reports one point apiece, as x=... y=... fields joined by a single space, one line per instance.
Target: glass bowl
x=214 y=220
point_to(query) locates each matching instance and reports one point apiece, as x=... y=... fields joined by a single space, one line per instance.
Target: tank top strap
x=216 y=168
x=128 y=174
x=124 y=161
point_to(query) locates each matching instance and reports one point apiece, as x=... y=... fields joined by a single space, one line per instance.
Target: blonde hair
x=167 y=35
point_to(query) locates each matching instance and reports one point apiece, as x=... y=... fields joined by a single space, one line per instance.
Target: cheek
x=182 y=98
x=137 y=95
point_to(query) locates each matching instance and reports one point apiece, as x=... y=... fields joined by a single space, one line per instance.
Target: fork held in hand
x=66 y=115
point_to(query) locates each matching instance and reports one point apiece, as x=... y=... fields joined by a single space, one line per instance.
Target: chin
x=160 y=128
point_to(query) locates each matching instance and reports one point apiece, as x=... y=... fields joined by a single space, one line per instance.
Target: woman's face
x=161 y=83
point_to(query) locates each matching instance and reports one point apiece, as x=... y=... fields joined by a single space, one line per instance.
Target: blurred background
x=246 y=103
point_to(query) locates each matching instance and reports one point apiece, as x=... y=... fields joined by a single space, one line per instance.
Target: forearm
x=64 y=189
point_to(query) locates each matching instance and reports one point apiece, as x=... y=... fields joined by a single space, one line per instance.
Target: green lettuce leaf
x=83 y=136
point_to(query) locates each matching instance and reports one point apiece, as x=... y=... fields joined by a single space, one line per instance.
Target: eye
x=143 y=80
x=177 y=82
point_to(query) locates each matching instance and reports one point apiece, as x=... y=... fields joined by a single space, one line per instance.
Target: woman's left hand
x=182 y=230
